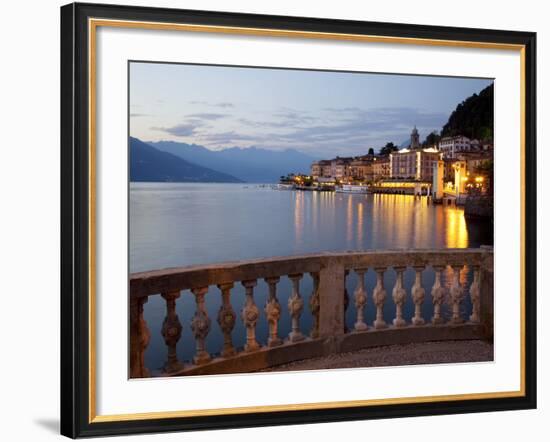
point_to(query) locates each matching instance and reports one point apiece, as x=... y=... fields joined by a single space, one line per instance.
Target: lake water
x=179 y=224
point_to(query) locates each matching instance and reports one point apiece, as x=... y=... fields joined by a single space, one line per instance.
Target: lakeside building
x=321 y=169
x=381 y=168
x=341 y=168
x=448 y=169
x=458 y=176
x=402 y=187
x=362 y=168
x=414 y=164
x=474 y=160
x=452 y=146
x=344 y=168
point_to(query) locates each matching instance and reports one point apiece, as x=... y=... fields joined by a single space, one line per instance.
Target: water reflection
x=184 y=224
x=299 y=219
x=349 y=223
x=456 y=231
x=360 y=227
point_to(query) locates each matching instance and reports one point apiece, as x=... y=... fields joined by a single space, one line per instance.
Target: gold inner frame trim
x=93 y=24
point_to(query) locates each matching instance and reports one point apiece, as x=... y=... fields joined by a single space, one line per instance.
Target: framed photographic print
x=274 y=220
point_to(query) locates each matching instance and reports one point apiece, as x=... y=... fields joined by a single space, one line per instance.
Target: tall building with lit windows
x=452 y=146
x=416 y=164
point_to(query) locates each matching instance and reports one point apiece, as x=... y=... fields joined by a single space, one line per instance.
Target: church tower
x=415 y=139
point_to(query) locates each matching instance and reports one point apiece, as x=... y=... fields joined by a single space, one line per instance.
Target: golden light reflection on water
x=456 y=231
x=299 y=218
x=350 y=221
x=360 y=227
x=315 y=211
x=462 y=278
x=358 y=222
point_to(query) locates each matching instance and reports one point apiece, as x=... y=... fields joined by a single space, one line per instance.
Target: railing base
x=267 y=357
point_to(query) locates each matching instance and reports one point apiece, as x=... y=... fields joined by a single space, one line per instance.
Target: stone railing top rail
x=184 y=278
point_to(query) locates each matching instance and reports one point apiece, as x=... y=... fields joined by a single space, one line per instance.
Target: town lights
x=479 y=179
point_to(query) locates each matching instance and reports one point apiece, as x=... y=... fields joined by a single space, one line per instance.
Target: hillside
x=254 y=165
x=152 y=165
x=473 y=117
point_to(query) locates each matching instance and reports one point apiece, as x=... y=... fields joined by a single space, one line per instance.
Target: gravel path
x=408 y=354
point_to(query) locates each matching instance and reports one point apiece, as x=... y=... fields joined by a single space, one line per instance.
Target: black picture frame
x=75 y=219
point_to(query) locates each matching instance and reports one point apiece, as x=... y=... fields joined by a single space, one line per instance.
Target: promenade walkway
x=394 y=355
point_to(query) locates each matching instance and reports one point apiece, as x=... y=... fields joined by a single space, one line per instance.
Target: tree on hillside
x=432 y=139
x=371 y=151
x=388 y=148
x=473 y=117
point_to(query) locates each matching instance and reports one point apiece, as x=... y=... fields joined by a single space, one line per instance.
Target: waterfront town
x=448 y=171
x=375 y=251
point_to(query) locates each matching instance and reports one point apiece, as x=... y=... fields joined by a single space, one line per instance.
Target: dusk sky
x=323 y=114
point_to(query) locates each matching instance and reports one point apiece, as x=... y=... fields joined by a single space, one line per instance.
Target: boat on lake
x=352 y=188
x=284 y=186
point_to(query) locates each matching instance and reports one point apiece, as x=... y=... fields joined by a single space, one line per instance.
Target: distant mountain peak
x=153 y=165
x=252 y=164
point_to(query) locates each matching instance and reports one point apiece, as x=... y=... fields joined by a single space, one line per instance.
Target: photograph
x=295 y=219
x=272 y=220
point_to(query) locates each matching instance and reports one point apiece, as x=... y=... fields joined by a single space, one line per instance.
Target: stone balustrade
x=327 y=303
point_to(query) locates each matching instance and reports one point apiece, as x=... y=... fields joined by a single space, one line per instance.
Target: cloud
x=133 y=114
x=207 y=116
x=222 y=104
x=333 y=131
x=283 y=119
x=179 y=130
x=262 y=124
x=366 y=127
x=342 y=109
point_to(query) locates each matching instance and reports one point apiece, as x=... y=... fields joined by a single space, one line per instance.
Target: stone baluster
x=139 y=339
x=474 y=296
x=200 y=325
x=226 y=319
x=418 y=295
x=171 y=332
x=360 y=296
x=295 y=306
x=438 y=295
x=314 y=306
x=378 y=297
x=273 y=312
x=250 y=314
x=346 y=299
x=399 y=294
x=457 y=294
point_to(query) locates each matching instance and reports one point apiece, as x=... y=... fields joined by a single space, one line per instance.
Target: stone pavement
x=394 y=355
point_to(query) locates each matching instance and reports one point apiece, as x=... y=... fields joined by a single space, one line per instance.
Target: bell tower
x=415 y=139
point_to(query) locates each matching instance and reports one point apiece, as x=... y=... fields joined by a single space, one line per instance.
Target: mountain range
x=253 y=165
x=152 y=165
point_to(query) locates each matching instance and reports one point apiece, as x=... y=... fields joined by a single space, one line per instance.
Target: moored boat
x=352 y=188
x=283 y=186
